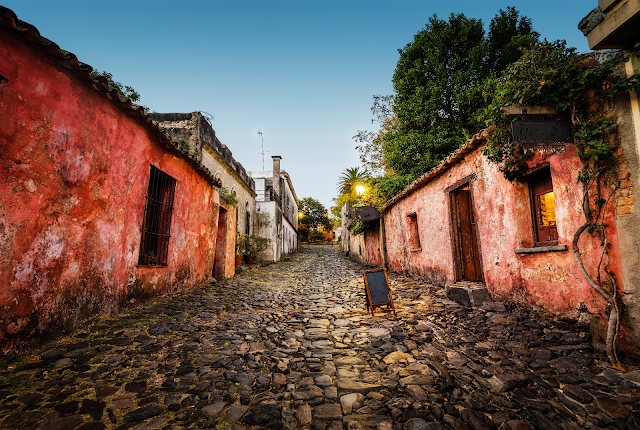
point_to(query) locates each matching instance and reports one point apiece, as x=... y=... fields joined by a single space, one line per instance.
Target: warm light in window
x=360 y=190
x=547 y=209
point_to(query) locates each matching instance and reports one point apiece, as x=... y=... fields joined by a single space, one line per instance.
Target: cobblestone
x=291 y=345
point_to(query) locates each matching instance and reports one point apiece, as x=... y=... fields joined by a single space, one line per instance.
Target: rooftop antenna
x=263 y=151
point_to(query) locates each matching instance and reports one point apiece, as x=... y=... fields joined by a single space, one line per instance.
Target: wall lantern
x=360 y=190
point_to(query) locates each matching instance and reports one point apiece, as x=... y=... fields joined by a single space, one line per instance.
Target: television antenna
x=262 y=152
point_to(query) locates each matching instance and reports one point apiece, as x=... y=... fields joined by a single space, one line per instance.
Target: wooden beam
x=528 y=110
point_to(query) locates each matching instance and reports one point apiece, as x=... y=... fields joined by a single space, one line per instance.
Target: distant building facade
x=276 y=212
x=193 y=132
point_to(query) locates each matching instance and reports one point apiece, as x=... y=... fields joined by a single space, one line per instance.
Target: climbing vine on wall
x=581 y=90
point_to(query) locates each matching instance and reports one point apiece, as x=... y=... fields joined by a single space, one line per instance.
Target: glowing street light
x=360 y=190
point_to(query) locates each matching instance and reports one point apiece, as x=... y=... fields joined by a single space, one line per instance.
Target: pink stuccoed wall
x=74 y=172
x=551 y=279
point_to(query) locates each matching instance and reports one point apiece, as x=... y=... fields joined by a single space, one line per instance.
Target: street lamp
x=360 y=190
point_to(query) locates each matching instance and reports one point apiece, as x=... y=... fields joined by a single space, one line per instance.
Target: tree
x=350 y=178
x=439 y=83
x=314 y=214
x=370 y=143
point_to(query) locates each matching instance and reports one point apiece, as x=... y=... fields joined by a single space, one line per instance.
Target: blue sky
x=302 y=72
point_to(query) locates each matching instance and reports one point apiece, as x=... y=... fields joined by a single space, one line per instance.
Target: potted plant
x=241 y=244
x=153 y=259
x=248 y=250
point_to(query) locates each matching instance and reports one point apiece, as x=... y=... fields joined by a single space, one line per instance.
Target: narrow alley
x=291 y=345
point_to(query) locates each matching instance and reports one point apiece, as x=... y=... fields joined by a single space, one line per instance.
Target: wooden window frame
x=156 y=222
x=533 y=177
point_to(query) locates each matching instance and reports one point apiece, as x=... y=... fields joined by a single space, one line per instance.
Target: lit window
x=543 y=206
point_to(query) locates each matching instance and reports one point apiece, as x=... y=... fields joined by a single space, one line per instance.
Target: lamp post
x=360 y=190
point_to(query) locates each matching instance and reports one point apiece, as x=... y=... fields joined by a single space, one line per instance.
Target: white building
x=276 y=212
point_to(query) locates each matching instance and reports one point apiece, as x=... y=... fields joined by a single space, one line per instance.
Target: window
x=414 y=237
x=543 y=207
x=156 y=225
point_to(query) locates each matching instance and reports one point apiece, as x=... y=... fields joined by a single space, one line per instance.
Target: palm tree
x=350 y=178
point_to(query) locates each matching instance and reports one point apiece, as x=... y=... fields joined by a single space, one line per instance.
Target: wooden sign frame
x=370 y=305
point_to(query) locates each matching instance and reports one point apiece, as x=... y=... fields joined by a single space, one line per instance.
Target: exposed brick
x=623 y=193
x=628 y=201
x=624 y=175
x=623 y=167
x=625 y=210
x=625 y=184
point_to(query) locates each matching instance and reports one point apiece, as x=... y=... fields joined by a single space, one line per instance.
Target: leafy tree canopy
x=439 y=83
x=314 y=214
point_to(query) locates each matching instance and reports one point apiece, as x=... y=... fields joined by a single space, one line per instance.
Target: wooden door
x=468 y=258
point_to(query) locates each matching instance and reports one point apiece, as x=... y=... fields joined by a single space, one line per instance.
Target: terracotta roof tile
x=84 y=72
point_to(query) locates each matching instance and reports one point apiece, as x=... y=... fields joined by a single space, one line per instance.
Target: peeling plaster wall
x=504 y=221
x=372 y=245
x=266 y=226
x=289 y=238
x=75 y=172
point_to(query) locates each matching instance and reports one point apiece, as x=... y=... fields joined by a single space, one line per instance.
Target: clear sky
x=303 y=72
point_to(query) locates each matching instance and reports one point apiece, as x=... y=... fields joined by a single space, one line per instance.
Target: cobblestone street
x=291 y=345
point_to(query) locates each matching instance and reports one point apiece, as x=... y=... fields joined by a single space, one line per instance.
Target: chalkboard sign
x=377 y=289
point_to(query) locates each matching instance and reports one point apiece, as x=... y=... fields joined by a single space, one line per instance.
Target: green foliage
x=255 y=244
x=384 y=188
x=228 y=196
x=371 y=144
x=551 y=74
x=439 y=83
x=303 y=232
x=124 y=90
x=314 y=214
x=153 y=258
x=316 y=235
x=350 y=178
x=357 y=227
x=242 y=243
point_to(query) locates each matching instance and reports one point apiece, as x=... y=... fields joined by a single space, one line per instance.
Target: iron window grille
x=156 y=225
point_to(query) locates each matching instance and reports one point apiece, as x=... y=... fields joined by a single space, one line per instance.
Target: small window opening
x=3 y=80
x=412 y=229
x=543 y=207
x=156 y=225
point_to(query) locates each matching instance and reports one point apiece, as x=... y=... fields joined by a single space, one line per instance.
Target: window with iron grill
x=156 y=225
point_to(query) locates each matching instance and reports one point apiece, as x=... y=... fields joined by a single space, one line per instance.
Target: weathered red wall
x=551 y=279
x=372 y=249
x=74 y=175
